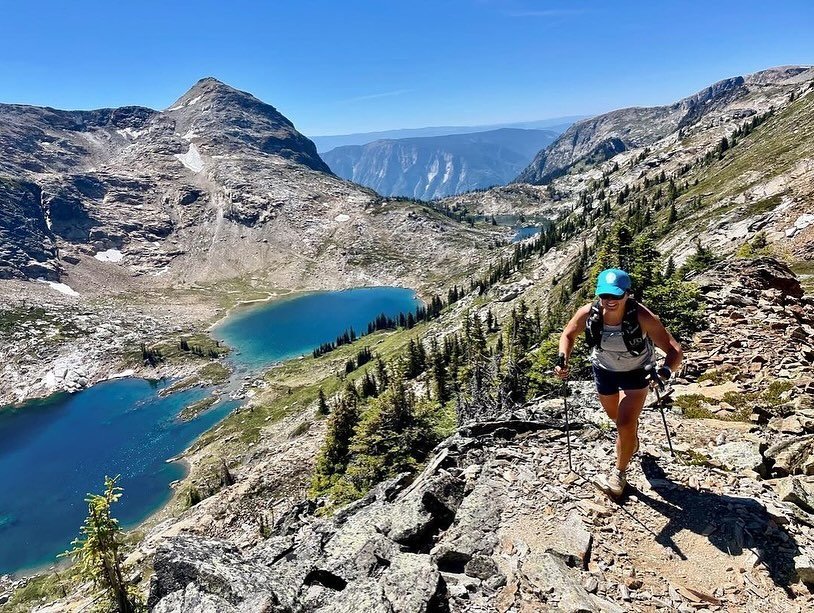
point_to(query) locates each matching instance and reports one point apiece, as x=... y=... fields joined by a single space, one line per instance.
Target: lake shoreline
x=164 y=512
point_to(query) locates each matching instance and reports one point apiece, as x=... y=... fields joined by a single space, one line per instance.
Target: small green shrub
x=696 y=458
x=718 y=376
x=764 y=206
x=742 y=403
x=758 y=246
x=737 y=399
x=772 y=395
x=694 y=406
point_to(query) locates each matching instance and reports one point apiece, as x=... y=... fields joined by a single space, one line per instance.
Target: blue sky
x=336 y=67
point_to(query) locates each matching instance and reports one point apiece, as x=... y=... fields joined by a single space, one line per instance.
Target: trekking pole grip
x=654 y=376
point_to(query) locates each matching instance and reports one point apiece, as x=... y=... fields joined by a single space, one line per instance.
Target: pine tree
x=322 y=405
x=97 y=551
x=670 y=269
x=439 y=373
x=368 y=388
x=391 y=438
x=672 y=215
x=513 y=379
x=381 y=374
x=334 y=455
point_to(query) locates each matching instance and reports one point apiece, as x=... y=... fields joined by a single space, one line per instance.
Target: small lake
x=524 y=233
x=54 y=451
x=288 y=328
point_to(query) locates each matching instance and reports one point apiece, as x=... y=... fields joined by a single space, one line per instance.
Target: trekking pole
x=660 y=386
x=561 y=364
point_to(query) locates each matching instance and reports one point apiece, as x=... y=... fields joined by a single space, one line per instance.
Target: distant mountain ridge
x=439 y=166
x=326 y=143
x=599 y=138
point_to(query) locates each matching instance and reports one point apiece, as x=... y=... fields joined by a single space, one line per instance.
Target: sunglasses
x=610 y=297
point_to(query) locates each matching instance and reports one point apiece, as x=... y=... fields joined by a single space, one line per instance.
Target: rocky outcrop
x=27 y=245
x=497 y=522
x=760 y=325
x=210 y=573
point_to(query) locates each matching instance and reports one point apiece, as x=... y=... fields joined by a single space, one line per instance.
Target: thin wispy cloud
x=545 y=13
x=396 y=92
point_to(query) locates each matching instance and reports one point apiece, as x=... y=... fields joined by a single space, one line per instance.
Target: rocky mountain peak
x=209 y=90
x=234 y=120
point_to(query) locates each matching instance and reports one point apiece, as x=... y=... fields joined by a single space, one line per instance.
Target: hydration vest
x=632 y=333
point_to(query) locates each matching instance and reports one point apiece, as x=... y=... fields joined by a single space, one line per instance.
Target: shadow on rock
x=731 y=523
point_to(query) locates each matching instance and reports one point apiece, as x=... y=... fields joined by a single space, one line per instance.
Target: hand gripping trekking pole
x=660 y=386
x=561 y=364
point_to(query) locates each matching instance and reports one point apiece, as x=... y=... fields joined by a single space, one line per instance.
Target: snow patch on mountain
x=62 y=288
x=191 y=159
x=130 y=133
x=111 y=255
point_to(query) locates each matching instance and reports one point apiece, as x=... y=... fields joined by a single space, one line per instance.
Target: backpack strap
x=632 y=333
x=593 y=326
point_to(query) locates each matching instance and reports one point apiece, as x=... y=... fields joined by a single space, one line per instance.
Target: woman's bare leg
x=627 y=425
x=610 y=402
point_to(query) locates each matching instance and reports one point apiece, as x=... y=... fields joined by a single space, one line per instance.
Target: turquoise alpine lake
x=285 y=329
x=54 y=451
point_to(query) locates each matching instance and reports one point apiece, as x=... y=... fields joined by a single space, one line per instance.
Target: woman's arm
x=652 y=325
x=569 y=336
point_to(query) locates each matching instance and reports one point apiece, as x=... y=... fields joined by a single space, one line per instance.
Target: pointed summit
x=231 y=120
x=211 y=90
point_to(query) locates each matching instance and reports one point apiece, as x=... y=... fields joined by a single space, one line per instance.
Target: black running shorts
x=609 y=382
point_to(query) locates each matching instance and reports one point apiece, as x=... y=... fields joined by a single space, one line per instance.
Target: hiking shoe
x=617 y=480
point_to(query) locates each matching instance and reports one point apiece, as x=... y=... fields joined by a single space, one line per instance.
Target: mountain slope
x=606 y=135
x=218 y=186
x=433 y=167
x=229 y=121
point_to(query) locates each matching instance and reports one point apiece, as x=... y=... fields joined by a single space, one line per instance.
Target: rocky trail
x=497 y=522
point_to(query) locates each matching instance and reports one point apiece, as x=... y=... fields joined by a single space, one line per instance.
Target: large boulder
x=475 y=526
x=794 y=456
x=751 y=275
x=738 y=456
x=559 y=584
x=222 y=576
x=571 y=541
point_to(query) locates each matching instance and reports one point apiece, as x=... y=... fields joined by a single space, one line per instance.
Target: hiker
x=620 y=333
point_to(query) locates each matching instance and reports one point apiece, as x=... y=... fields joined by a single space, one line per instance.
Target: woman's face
x=611 y=303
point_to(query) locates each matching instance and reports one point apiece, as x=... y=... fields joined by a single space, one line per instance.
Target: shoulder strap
x=593 y=326
x=632 y=333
